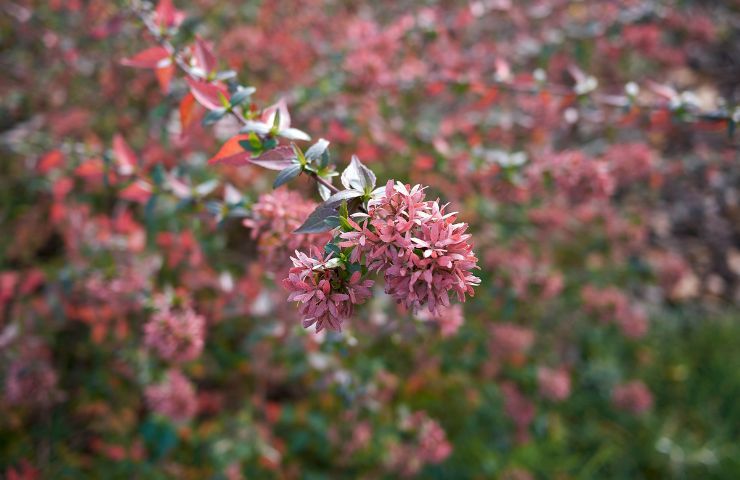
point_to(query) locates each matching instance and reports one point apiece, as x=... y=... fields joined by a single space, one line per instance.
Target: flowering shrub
x=192 y=287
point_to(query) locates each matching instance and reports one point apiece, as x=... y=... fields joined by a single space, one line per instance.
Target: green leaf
x=214 y=116
x=241 y=95
x=287 y=175
x=316 y=151
x=322 y=219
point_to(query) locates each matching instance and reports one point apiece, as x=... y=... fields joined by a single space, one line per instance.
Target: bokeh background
x=589 y=145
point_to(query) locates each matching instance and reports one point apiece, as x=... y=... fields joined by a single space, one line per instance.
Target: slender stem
x=183 y=65
x=323 y=182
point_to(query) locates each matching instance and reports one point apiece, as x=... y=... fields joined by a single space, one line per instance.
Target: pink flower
x=449 y=319
x=30 y=381
x=520 y=409
x=176 y=335
x=510 y=341
x=422 y=252
x=327 y=295
x=174 y=398
x=633 y=397
x=554 y=384
x=275 y=217
x=428 y=445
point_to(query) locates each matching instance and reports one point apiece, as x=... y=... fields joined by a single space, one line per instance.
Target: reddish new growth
x=327 y=295
x=421 y=251
x=176 y=336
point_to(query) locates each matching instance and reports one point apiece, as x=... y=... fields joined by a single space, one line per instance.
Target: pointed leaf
x=241 y=95
x=357 y=176
x=231 y=153
x=139 y=192
x=164 y=76
x=270 y=113
x=209 y=95
x=287 y=175
x=294 y=134
x=214 y=116
x=154 y=57
x=125 y=156
x=316 y=150
x=278 y=158
x=322 y=219
x=187 y=108
x=344 y=195
x=204 y=55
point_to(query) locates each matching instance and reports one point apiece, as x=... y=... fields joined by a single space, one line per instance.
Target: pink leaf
x=268 y=114
x=204 y=55
x=125 y=156
x=154 y=57
x=209 y=95
x=139 y=191
x=49 y=161
x=278 y=158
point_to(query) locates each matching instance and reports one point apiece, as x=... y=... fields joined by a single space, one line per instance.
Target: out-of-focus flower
x=554 y=384
x=176 y=335
x=449 y=319
x=327 y=294
x=633 y=397
x=510 y=342
x=31 y=381
x=175 y=398
x=274 y=218
x=429 y=445
x=520 y=409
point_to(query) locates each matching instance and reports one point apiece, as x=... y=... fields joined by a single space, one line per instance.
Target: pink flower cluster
x=612 y=305
x=175 y=398
x=420 y=249
x=449 y=319
x=428 y=446
x=554 y=384
x=327 y=295
x=519 y=409
x=30 y=381
x=579 y=177
x=176 y=335
x=633 y=397
x=275 y=217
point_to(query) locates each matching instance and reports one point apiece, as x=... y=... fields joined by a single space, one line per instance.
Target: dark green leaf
x=214 y=116
x=287 y=175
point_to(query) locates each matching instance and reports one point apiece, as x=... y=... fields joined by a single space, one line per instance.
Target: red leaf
x=208 y=94
x=49 y=161
x=154 y=57
x=164 y=76
x=187 y=107
x=278 y=158
x=139 y=191
x=90 y=168
x=204 y=55
x=231 y=153
x=168 y=15
x=125 y=156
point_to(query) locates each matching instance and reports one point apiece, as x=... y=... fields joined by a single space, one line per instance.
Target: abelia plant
x=422 y=253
